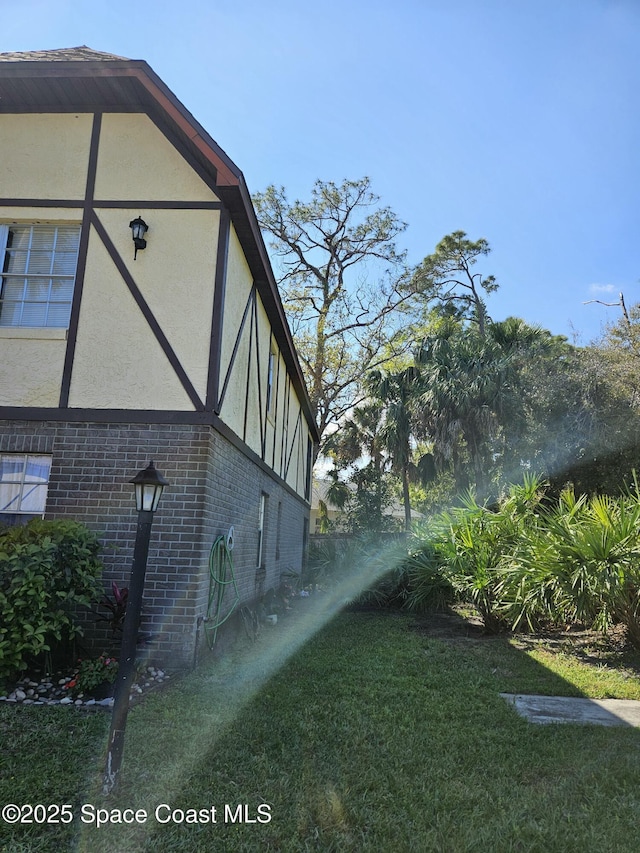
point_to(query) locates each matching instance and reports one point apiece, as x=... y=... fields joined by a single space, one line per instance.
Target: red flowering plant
x=92 y=672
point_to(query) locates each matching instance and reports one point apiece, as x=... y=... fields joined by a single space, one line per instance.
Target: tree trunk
x=405 y=498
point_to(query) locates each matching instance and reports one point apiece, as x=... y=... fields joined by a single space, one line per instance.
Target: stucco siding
x=237 y=293
x=30 y=369
x=119 y=363
x=44 y=155
x=136 y=161
x=176 y=276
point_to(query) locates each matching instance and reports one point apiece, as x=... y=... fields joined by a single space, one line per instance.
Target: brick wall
x=212 y=487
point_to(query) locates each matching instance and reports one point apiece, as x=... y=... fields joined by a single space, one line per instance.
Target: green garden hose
x=221 y=576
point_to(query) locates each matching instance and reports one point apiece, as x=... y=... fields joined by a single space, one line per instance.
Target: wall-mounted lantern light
x=138 y=229
x=149 y=485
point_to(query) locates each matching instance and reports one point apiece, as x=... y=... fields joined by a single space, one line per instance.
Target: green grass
x=374 y=736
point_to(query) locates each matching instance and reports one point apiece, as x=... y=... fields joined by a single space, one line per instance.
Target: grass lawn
x=378 y=734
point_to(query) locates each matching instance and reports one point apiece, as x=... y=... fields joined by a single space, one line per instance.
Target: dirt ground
x=461 y=624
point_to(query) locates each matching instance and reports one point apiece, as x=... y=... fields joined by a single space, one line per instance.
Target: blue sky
x=513 y=120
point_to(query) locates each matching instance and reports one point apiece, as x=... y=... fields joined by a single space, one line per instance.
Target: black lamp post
x=138 y=229
x=148 y=489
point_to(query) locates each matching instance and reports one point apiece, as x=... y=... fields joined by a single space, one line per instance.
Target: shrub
x=94 y=672
x=428 y=587
x=582 y=563
x=524 y=563
x=47 y=569
x=463 y=551
x=322 y=559
x=371 y=565
x=116 y=607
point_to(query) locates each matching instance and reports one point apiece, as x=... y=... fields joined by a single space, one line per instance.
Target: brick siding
x=212 y=487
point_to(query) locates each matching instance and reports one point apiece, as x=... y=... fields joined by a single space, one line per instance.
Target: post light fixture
x=149 y=485
x=138 y=229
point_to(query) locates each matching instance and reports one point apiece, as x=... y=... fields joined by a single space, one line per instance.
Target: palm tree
x=360 y=438
x=396 y=391
x=460 y=376
x=470 y=392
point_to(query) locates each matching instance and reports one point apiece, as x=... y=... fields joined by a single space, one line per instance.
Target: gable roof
x=80 y=79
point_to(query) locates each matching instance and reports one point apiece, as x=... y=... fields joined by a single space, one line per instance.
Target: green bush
x=428 y=586
x=372 y=563
x=322 y=560
x=525 y=563
x=47 y=570
x=93 y=672
x=465 y=549
x=582 y=563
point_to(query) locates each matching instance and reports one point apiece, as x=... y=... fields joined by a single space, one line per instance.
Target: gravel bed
x=53 y=690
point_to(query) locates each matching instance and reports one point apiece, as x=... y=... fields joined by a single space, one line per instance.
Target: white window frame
x=48 y=280
x=262 y=520
x=271 y=382
x=18 y=487
x=278 y=529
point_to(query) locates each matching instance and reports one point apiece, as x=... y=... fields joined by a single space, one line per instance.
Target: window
x=38 y=264
x=278 y=529
x=270 y=394
x=305 y=545
x=307 y=480
x=262 y=520
x=24 y=480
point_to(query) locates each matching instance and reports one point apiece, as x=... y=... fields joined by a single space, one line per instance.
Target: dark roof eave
x=156 y=89
x=276 y=304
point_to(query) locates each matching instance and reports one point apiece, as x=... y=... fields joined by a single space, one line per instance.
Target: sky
x=512 y=120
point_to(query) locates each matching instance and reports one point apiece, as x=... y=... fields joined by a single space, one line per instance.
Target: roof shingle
x=62 y=54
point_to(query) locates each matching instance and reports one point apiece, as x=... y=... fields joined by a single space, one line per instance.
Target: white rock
x=106 y=703
x=78 y=702
x=66 y=701
x=90 y=702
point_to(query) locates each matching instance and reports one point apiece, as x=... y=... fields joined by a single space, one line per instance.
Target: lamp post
x=148 y=489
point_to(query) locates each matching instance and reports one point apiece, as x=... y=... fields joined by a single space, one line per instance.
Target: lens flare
x=158 y=764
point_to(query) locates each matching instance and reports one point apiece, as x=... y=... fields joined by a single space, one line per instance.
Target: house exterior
x=393 y=514
x=180 y=354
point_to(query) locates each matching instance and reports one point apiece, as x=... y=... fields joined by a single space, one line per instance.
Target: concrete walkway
x=560 y=709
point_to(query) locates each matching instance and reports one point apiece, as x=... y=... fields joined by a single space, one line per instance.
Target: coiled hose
x=221 y=576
